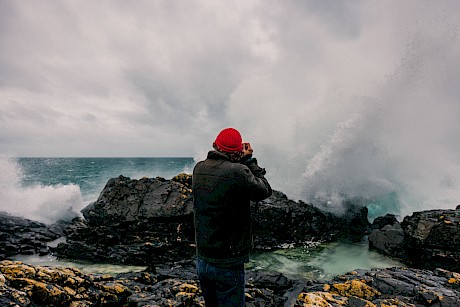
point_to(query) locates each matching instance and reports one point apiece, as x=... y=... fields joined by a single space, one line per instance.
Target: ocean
x=44 y=189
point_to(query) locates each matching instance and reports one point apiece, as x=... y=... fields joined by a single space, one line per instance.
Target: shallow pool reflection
x=322 y=262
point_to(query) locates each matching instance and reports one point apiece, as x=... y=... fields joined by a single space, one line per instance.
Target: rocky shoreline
x=176 y=284
x=149 y=222
x=154 y=216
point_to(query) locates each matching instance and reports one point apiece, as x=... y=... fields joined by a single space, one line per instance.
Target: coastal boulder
x=426 y=239
x=388 y=237
x=176 y=284
x=402 y=287
x=279 y=220
x=130 y=200
x=432 y=239
x=27 y=285
x=138 y=222
x=23 y=236
x=150 y=221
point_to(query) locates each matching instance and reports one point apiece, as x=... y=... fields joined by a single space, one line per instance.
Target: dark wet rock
x=427 y=239
x=279 y=220
x=150 y=221
x=176 y=284
x=387 y=237
x=389 y=240
x=172 y=284
x=184 y=179
x=432 y=239
x=26 y=285
x=382 y=221
x=385 y=287
x=129 y=200
x=270 y=280
x=141 y=222
x=23 y=236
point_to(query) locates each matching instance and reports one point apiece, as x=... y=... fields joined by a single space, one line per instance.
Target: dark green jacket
x=222 y=191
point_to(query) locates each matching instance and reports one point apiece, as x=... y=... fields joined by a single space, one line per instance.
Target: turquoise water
x=321 y=262
x=43 y=189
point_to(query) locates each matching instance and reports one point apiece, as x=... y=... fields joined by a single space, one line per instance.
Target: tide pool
x=321 y=262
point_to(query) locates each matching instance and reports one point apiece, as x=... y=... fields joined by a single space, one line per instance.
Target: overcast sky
x=161 y=78
x=337 y=97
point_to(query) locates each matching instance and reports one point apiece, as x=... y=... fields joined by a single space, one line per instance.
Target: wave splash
x=395 y=149
x=45 y=204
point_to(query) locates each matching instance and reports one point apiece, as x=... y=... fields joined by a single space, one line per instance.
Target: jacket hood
x=214 y=154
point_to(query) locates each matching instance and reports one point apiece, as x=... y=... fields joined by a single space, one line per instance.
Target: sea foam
x=41 y=203
x=391 y=145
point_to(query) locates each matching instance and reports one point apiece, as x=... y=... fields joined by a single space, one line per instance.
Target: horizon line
x=102 y=157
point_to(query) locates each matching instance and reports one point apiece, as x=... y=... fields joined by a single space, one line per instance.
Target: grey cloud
x=34 y=39
x=342 y=17
x=181 y=70
x=31 y=113
x=337 y=97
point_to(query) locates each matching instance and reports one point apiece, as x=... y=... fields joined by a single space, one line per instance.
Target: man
x=223 y=186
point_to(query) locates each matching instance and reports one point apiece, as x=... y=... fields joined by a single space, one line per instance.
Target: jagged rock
x=320 y=299
x=389 y=240
x=150 y=221
x=140 y=222
x=382 y=221
x=176 y=284
x=279 y=220
x=130 y=200
x=427 y=239
x=23 y=236
x=184 y=179
x=354 y=288
x=383 y=287
x=141 y=243
x=432 y=239
x=27 y=285
x=387 y=236
x=274 y=281
x=173 y=284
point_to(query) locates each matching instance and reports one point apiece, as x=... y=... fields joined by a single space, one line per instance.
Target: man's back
x=222 y=192
x=223 y=186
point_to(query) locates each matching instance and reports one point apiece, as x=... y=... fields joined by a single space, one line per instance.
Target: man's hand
x=247 y=150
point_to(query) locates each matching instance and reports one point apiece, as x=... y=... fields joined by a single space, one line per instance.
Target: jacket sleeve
x=257 y=185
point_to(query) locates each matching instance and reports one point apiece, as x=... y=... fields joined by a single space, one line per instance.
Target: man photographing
x=223 y=186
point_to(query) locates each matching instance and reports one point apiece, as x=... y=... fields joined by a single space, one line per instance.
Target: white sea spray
x=43 y=203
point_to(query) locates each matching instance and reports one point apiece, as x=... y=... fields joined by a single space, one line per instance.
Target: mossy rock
x=17 y=270
x=320 y=299
x=355 y=288
x=183 y=178
x=49 y=294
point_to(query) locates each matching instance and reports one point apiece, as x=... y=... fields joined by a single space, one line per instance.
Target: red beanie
x=229 y=140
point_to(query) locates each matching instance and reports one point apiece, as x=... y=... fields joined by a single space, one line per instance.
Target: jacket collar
x=215 y=155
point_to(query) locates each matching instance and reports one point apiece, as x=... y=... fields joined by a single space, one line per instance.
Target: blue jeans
x=221 y=286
